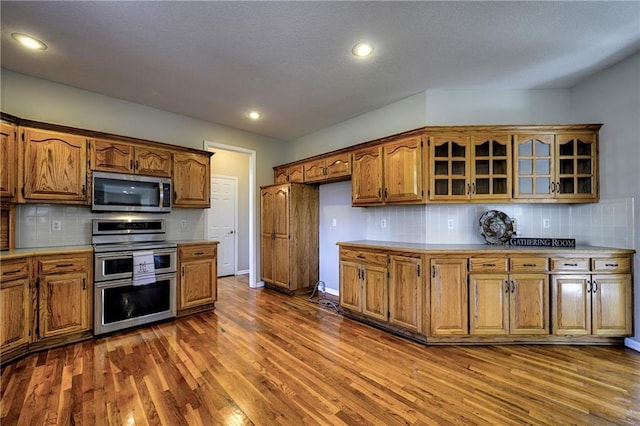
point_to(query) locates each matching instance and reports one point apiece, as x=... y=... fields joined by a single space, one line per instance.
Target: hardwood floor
x=264 y=358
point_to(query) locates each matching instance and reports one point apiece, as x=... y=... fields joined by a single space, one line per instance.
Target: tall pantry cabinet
x=289 y=219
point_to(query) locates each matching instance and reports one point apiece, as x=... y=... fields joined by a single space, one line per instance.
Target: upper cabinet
x=55 y=167
x=560 y=167
x=8 y=165
x=389 y=173
x=191 y=180
x=289 y=174
x=120 y=157
x=328 y=169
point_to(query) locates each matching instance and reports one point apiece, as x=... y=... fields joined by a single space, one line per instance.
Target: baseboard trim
x=632 y=344
x=242 y=272
x=332 y=291
x=259 y=284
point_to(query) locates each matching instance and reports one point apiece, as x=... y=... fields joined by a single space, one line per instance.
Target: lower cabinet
x=197 y=279
x=449 y=297
x=15 y=306
x=406 y=286
x=363 y=276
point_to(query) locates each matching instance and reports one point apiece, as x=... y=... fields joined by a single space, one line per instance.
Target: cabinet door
x=314 y=171
x=449 y=300
x=191 y=180
x=197 y=283
x=351 y=286
x=338 y=165
x=267 y=245
x=55 y=166
x=529 y=304
x=450 y=158
x=8 y=153
x=110 y=156
x=534 y=166
x=405 y=292
x=281 y=208
x=366 y=180
x=403 y=170
x=14 y=308
x=612 y=310
x=576 y=161
x=375 y=299
x=64 y=304
x=491 y=167
x=571 y=304
x=153 y=161
x=295 y=174
x=489 y=304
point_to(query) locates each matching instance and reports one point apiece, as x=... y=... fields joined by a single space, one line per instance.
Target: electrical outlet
x=450 y=223
x=545 y=223
x=183 y=223
x=383 y=223
x=334 y=222
x=56 y=225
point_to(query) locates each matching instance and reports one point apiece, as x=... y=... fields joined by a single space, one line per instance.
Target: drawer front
x=13 y=269
x=529 y=264
x=488 y=264
x=63 y=264
x=611 y=264
x=368 y=257
x=197 y=252
x=569 y=264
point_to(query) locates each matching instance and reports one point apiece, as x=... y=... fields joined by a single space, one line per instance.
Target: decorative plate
x=496 y=227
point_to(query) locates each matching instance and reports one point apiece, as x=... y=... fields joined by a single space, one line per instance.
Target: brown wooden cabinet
x=406 y=286
x=289 y=174
x=55 y=167
x=596 y=302
x=449 y=297
x=9 y=163
x=289 y=221
x=65 y=292
x=198 y=277
x=120 y=157
x=389 y=173
x=15 y=308
x=328 y=169
x=191 y=180
x=363 y=276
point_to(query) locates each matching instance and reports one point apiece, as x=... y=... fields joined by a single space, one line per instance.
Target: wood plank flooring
x=267 y=359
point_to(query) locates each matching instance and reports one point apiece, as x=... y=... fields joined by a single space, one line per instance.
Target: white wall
x=612 y=97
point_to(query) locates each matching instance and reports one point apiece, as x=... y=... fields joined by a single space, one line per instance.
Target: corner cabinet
x=198 y=277
x=289 y=222
x=191 y=180
x=55 y=167
x=9 y=163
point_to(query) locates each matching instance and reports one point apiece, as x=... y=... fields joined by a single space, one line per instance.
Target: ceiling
x=292 y=60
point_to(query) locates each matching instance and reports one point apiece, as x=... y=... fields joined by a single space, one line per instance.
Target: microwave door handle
x=161 y=195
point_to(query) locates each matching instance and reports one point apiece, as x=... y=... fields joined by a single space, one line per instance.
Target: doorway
x=222 y=220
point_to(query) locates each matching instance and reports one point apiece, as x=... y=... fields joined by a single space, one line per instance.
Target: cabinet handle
x=360 y=256
x=588 y=286
x=11 y=272
x=418 y=269
x=488 y=264
x=84 y=283
x=136 y=164
x=513 y=286
x=595 y=286
x=557 y=187
x=64 y=265
x=530 y=265
x=386 y=193
x=611 y=265
x=468 y=189
x=433 y=271
x=473 y=187
x=570 y=264
x=182 y=271
x=379 y=192
x=506 y=286
x=84 y=190
x=198 y=253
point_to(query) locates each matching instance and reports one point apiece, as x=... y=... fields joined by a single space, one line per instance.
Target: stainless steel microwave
x=115 y=192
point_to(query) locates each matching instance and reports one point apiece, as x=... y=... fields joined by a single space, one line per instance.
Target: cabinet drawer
x=573 y=264
x=611 y=264
x=197 y=252
x=370 y=258
x=62 y=264
x=529 y=264
x=14 y=269
x=488 y=264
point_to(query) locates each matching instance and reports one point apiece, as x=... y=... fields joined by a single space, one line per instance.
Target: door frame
x=235 y=221
x=212 y=146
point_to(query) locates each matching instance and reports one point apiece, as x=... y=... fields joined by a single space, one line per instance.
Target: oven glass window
x=126 y=302
x=162 y=261
x=119 y=265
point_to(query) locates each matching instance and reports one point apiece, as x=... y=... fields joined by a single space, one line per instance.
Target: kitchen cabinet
x=55 y=167
x=363 y=283
x=506 y=300
x=449 y=166
x=560 y=167
x=15 y=307
x=120 y=157
x=449 y=296
x=289 y=174
x=65 y=292
x=9 y=163
x=592 y=296
x=289 y=221
x=329 y=169
x=191 y=180
x=391 y=173
x=197 y=280
x=406 y=286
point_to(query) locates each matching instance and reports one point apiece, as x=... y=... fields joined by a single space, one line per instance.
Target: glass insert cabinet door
x=534 y=166
x=575 y=166
x=491 y=167
x=450 y=167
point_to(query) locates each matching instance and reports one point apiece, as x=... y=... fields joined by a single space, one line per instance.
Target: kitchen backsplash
x=37 y=224
x=608 y=223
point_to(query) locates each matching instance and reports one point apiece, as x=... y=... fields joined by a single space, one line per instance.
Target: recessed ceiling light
x=362 y=50
x=29 y=42
x=254 y=115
